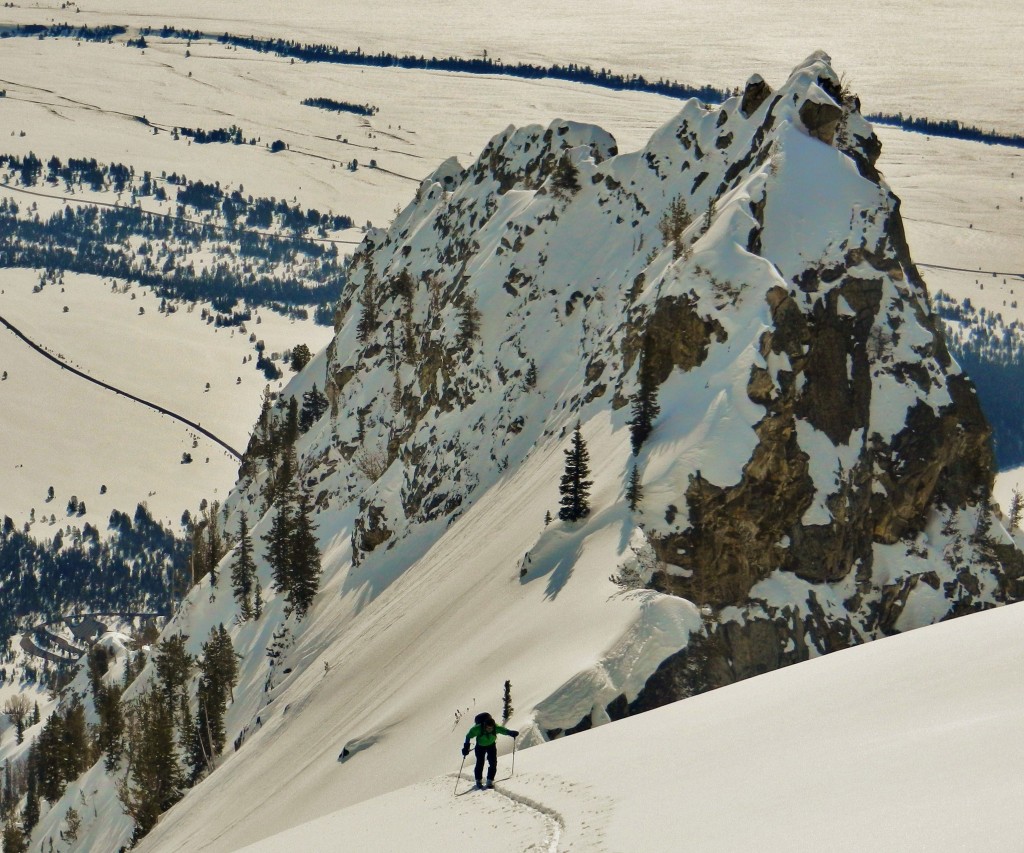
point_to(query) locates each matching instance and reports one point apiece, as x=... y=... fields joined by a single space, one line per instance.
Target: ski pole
x=513 y=770
x=458 y=778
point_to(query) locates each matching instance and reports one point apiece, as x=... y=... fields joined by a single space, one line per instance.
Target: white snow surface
x=911 y=743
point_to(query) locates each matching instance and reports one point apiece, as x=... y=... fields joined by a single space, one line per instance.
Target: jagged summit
x=815 y=471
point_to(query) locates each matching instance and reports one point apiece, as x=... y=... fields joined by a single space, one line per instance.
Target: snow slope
x=911 y=743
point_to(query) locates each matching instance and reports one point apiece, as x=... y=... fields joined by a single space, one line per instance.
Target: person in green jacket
x=486 y=732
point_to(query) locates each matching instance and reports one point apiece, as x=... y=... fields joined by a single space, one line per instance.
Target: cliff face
x=819 y=471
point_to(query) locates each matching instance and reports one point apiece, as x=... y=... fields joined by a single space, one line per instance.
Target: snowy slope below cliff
x=909 y=743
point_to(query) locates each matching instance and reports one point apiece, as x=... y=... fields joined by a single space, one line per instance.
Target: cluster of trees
x=991 y=352
x=572 y=72
x=161 y=743
x=286 y=266
x=948 y=127
x=99 y=33
x=223 y=135
x=139 y=567
x=341 y=106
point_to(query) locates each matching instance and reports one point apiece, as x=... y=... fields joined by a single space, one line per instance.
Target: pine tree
x=565 y=178
x=709 y=215
x=219 y=668
x=174 y=666
x=574 y=486
x=314 y=405
x=72 y=824
x=644 y=410
x=672 y=225
x=111 y=725
x=14 y=838
x=30 y=811
x=243 y=570
x=506 y=703
x=304 y=555
x=279 y=535
x=1015 y=510
x=469 y=321
x=634 y=489
x=155 y=781
x=257 y=599
x=300 y=357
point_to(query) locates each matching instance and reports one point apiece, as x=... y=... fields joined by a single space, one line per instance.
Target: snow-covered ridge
x=817 y=475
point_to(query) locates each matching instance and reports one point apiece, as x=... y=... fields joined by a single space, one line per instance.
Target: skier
x=486 y=732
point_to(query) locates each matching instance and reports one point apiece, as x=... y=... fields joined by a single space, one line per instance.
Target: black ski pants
x=491 y=754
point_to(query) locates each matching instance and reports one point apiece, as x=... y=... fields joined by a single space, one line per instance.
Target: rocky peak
x=818 y=457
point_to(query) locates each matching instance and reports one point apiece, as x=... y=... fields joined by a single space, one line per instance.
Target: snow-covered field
x=940 y=59
x=62 y=431
x=963 y=202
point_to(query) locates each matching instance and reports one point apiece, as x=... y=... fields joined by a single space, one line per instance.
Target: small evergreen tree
x=672 y=225
x=469 y=321
x=574 y=486
x=314 y=405
x=565 y=178
x=1015 y=510
x=644 y=410
x=300 y=357
x=506 y=703
x=155 y=781
x=709 y=215
x=14 y=837
x=305 y=558
x=243 y=570
x=634 y=489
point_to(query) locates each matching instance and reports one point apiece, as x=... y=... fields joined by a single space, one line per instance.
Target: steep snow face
x=816 y=473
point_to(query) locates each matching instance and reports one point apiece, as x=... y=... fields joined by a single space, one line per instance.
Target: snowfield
x=77 y=100
x=911 y=743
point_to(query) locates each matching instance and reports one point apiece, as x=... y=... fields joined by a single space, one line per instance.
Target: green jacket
x=486 y=738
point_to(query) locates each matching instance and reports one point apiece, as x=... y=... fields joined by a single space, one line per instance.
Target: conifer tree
x=1015 y=510
x=174 y=666
x=469 y=320
x=111 y=725
x=634 y=489
x=314 y=405
x=257 y=599
x=304 y=555
x=565 y=177
x=155 y=781
x=277 y=538
x=14 y=837
x=574 y=486
x=506 y=703
x=243 y=570
x=644 y=410
x=709 y=215
x=219 y=668
x=30 y=811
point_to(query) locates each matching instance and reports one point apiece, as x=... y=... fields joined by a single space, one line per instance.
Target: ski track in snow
x=553 y=797
x=552 y=818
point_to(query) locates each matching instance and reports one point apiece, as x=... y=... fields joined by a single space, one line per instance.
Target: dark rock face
x=821 y=120
x=754 y=94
